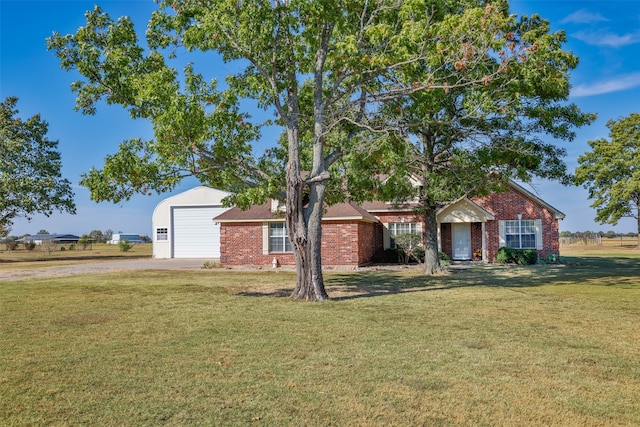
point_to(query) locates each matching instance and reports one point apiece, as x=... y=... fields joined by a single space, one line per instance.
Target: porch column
x=484 y=243
x=439 y=238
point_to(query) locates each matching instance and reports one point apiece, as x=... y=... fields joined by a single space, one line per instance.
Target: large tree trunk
x=430 y=237
x=308 y=229
x=310 y=283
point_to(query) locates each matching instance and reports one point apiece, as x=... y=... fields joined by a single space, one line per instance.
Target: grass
x=26 y=259
x=487 y=345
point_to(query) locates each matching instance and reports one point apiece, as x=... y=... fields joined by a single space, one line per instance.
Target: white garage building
x=183 y=225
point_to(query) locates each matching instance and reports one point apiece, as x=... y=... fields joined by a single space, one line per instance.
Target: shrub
x=124 y=245
x=517 y=256
x=444 y=259
x=408 y=244
x=505 y=255
x=210 y=264
x=527 y=256
x=418 y=254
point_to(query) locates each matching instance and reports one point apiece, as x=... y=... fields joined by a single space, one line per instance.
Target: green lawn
x=489 y=345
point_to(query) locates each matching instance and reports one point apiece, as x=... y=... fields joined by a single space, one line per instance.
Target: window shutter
x=386 y=240
x=265 y=238
x=502 y=240
x=538 y=226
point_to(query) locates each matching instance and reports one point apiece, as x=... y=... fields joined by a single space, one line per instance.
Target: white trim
x=484 y=243
x=502 y=231
x=386 y=238
x=538 y=226
x=265 y=238
x=463 y=228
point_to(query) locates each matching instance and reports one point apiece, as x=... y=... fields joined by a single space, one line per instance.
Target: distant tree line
x=590 y=234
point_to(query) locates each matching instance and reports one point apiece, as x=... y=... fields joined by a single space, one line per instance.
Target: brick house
x=468 y=228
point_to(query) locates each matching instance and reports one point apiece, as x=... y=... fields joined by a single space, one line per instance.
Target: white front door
x=461 y=240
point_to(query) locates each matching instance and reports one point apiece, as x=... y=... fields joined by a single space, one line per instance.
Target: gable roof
x=464 y=210
x=556 y=213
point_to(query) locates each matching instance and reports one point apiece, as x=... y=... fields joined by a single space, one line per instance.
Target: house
x=468 y=228
x=183 y=225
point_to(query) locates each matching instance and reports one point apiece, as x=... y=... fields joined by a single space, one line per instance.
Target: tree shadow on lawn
x=601 y=271
x=370 y=282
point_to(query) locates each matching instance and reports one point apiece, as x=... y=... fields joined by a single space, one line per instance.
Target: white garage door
x=195 y=235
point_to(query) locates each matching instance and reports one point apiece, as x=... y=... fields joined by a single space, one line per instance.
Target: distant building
x=38 y=239
x=116 y=238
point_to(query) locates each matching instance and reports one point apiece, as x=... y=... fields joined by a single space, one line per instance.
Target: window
x=279 y=238
x=398 y=228
x=520 y=234
x=162 y=234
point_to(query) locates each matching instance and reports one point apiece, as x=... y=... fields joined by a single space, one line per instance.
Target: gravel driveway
x=102 y=267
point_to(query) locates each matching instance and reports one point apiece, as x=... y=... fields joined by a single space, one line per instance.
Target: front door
x=461 y=236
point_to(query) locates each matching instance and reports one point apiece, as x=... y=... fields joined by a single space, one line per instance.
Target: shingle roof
x=350 y=211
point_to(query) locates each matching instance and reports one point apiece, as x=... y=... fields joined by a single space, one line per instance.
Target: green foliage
x=85 y=241
x=408 y=245
x=444 y=259
x=124 y=245
x=610 y=171
x=481 y=123
x=30 y=169
x=505 y=255
x=517 y=256
x=211 y=264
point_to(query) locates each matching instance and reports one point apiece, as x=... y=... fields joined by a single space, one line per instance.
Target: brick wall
x=343 y=243
x=507 y=206
x=357 y=243
x=446 y=245
x=476 y=239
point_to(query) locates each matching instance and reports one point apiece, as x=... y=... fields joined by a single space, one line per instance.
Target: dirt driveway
x=101 y=267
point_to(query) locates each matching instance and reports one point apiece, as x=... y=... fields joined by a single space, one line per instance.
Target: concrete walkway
x=102 y=267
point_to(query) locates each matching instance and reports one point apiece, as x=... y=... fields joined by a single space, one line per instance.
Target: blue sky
x=604 y=34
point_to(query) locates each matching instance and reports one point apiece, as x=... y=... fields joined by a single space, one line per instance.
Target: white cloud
x=583 y=16
x=615 y=84
x=606 y=38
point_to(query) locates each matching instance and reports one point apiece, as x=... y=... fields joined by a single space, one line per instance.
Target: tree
x=611 y=172
x=408 y=246
x=97 y=236
x=319 y=68
x=468 y=140
x=30 y=169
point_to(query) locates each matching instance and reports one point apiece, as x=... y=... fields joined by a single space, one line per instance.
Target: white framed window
x=398 y=228
x=279 y=238
x=521 y=234
x=162 y=234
